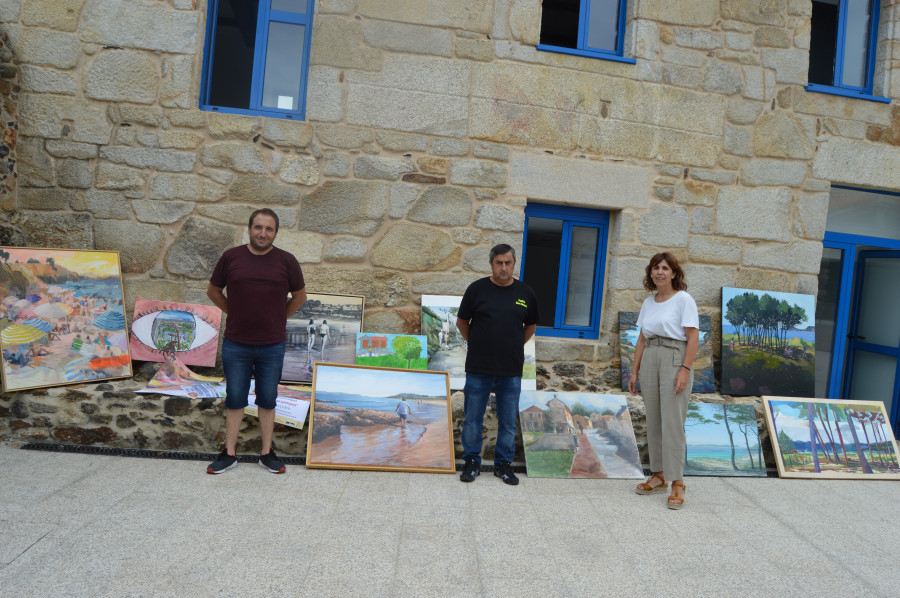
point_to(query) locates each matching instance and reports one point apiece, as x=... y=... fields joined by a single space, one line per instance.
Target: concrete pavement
x=76 y=525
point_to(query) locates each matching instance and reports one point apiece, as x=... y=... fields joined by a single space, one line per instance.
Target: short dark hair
x=501 y=249
x=264 y=212
x=678 y=281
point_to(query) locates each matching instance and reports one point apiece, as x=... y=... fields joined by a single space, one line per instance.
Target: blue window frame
x=593 y=28
x=842 y=45
x=563 y=261
x=256 y=59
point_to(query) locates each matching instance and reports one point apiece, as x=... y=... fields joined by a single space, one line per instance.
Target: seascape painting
x=704 y=379
x=831 y=439
x=403 y=351
x=62 y=317
x=380 y=418
x=723 y=440
x=160 y=328
x=447 y=348
x=323 y=330
x=578 y=435
x=768 y=343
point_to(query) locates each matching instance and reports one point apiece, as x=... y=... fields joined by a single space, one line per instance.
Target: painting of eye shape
x=189 y=331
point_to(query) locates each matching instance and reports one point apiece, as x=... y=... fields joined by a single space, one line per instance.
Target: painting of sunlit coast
x=578 y=435
x=61 y=317
x=380 y=418
x=825 y=438
x=723 y=440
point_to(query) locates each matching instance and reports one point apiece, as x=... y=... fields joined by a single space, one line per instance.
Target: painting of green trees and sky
x=768 y=343
x=723 y=440
x=824 y=438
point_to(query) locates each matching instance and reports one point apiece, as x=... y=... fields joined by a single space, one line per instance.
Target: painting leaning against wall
x=723 y=440
x=831 y=438
x=62 y=317
x=160 y=328
x=768 y=343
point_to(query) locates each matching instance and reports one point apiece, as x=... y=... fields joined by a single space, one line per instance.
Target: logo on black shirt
x=521 y=303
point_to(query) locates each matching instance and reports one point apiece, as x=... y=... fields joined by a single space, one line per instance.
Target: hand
x=681 y=380
x=632 y=383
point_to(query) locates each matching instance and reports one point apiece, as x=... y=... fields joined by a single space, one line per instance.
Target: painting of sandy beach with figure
x=62 y=317
x=380 y=418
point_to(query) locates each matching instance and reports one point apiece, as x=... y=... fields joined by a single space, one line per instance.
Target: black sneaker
x=504 y=472
x=271 y=462
x=223 y=463
x=470 y=471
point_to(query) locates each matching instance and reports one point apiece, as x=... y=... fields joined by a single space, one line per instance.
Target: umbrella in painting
x=16 y=334
x=110 y=320
x=33 y=298
x=66 y=309
x=51 y=310
x=42 y=325
x=11 y=300
x=74 y=370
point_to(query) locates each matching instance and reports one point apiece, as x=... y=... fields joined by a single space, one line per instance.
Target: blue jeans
x=242 y=362
x=477 y=390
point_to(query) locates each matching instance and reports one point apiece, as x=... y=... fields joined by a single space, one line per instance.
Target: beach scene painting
x=831 y=439
x=578 y=435
x=403 y=351
x=447 y=348
x=323 y=330
x=768 y=343
x=160 y=328
x=380 y=419
x=723 y=440
x=704 y=379
x=61 y=317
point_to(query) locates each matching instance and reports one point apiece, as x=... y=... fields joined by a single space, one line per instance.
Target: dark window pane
x=232 y=58
x=823 y=42
x=542 y=251
x=603 y=25
x=559 y=23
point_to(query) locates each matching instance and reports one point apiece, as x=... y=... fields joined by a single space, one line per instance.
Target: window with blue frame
x=257 y=57
x=843 y=37
x=594 y=28
x=563 y=262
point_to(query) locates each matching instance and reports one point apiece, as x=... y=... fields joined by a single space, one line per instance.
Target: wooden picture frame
x=349 y=428
x=343 y=315
x=843 y=432
x=62 y=317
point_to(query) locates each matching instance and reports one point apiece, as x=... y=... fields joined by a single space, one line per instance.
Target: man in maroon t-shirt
x=259 y=277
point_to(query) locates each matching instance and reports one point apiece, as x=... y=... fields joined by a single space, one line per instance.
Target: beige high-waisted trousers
x=665 y=410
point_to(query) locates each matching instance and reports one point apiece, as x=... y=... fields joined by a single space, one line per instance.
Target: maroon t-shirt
x=257 y=290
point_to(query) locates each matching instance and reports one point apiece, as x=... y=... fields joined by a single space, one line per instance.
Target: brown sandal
x=675 y=501
x=649 y=488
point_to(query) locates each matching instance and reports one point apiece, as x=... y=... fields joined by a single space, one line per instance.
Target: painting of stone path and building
x=403 y=351
x=768 y=343
x=704 y=379
x=723 y=440
x=357 y=420
x=160 y=328
x=831 y=439
x=323 y=330
x=62 y=317
x=447 y=348
x=578 y=435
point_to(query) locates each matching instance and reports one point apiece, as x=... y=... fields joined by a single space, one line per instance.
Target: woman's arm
x=693 y=342
x=636 y=367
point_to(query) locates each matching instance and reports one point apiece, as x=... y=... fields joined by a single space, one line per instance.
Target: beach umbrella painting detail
x=17 y=334
x=33 y=298
x=50 y=310
x=110 y=320
x=42 y=325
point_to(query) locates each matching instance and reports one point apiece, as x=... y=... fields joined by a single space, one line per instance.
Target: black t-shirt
x=497 y=328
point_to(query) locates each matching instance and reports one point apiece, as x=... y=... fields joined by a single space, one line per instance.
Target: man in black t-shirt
x=497 y=316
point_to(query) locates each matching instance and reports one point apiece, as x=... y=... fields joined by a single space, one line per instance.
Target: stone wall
x=430 y=125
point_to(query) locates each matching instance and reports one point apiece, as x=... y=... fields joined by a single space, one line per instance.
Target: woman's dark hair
x=678 y=281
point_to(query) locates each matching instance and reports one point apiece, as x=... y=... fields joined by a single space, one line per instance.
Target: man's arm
x=529 y=331
x=463 y=327
x=218 y=298
x=298 y=298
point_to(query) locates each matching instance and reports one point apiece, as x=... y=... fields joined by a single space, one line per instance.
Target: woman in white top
x=664 y=360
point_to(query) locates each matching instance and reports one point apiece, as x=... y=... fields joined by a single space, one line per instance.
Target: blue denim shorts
x=243 y=362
